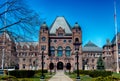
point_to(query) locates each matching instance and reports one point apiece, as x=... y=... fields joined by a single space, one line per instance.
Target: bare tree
x=20 y=23
x=17 y=18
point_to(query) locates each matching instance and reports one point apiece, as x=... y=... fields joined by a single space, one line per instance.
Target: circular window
x=43 y=38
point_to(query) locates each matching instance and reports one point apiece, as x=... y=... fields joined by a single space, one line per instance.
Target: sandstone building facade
x=90 y=55
x=57 y=43
x=109 y=53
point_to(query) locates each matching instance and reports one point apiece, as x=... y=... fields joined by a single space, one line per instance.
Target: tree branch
x=6 y=11
x=10 y=25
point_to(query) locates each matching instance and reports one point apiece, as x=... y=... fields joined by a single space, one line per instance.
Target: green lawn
x=88 y=78
x=116 y=75
x=71 y=75
x=36 y=77
x=83 y=77
x=29 y=79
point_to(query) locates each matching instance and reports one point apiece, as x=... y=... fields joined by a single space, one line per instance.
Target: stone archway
x=51 y=66
x=68 y=66
x=60 y=66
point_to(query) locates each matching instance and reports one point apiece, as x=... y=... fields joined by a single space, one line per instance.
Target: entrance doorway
x=60 y=65
x=51 y=66
x=68 y=66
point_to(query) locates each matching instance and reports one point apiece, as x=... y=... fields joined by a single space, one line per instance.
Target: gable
x=60 y=22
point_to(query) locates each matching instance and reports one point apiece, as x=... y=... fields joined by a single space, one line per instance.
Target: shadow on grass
x=82 y=77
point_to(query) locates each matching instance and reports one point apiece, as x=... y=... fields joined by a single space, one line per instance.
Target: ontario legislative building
x=57 y=44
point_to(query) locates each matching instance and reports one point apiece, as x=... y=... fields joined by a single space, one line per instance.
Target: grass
x=83 y=77
x=116 y=75
x=87 y=77
x=29 y=79
x=36 y=77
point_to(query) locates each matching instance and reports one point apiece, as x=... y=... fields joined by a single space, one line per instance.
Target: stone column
x=55 y=52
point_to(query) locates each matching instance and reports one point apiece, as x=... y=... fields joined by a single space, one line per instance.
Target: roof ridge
x=90 y=44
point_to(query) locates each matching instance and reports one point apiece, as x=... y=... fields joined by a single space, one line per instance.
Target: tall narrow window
x=24 y=66
x=119 y=48
x=92 y=60
x=52 y=50
x=30 y=60
x=23 y=59
x=43 y=47
x=60 y=51
x=67 y=51
x=76 y=40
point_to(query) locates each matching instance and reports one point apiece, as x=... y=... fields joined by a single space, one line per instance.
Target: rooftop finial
x=77 y=25
x=44 y=24
x=76 y=22
x=108 y=42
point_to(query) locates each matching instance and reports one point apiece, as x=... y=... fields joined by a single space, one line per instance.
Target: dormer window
x=60 y=34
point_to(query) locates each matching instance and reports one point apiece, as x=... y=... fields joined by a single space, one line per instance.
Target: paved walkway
x=60 y=76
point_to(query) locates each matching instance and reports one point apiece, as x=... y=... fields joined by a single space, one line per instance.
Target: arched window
x=60 y=51
x=67 y=51
x=76 y=40
x=52 y=50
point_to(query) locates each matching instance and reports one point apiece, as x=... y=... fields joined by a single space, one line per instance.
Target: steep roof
x=27 y=43
x=91 y=47
x=60 y=22
x=8 y=35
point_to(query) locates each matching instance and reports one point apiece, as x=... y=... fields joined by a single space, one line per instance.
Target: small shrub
x=22 y=73
x=109 y=78
x=95 y=73
x=84 y=72
x=40 y=71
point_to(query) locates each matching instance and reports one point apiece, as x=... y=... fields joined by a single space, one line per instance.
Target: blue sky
x=96 y=17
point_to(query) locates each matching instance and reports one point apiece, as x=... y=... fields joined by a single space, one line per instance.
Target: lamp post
x=42 y=76
x=69 y=65
x=77 y=52
x=51 y=65
x=78 y=77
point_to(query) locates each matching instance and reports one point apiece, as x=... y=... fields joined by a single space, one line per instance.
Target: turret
x=77 y=35
x=44 y=38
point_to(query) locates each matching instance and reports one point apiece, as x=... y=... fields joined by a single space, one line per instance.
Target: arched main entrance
x=60 y=65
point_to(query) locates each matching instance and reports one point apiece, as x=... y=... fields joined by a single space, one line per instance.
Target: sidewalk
x=60 y=76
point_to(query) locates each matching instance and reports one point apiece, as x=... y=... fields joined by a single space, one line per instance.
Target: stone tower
x=77 y=39
x=44 y=44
